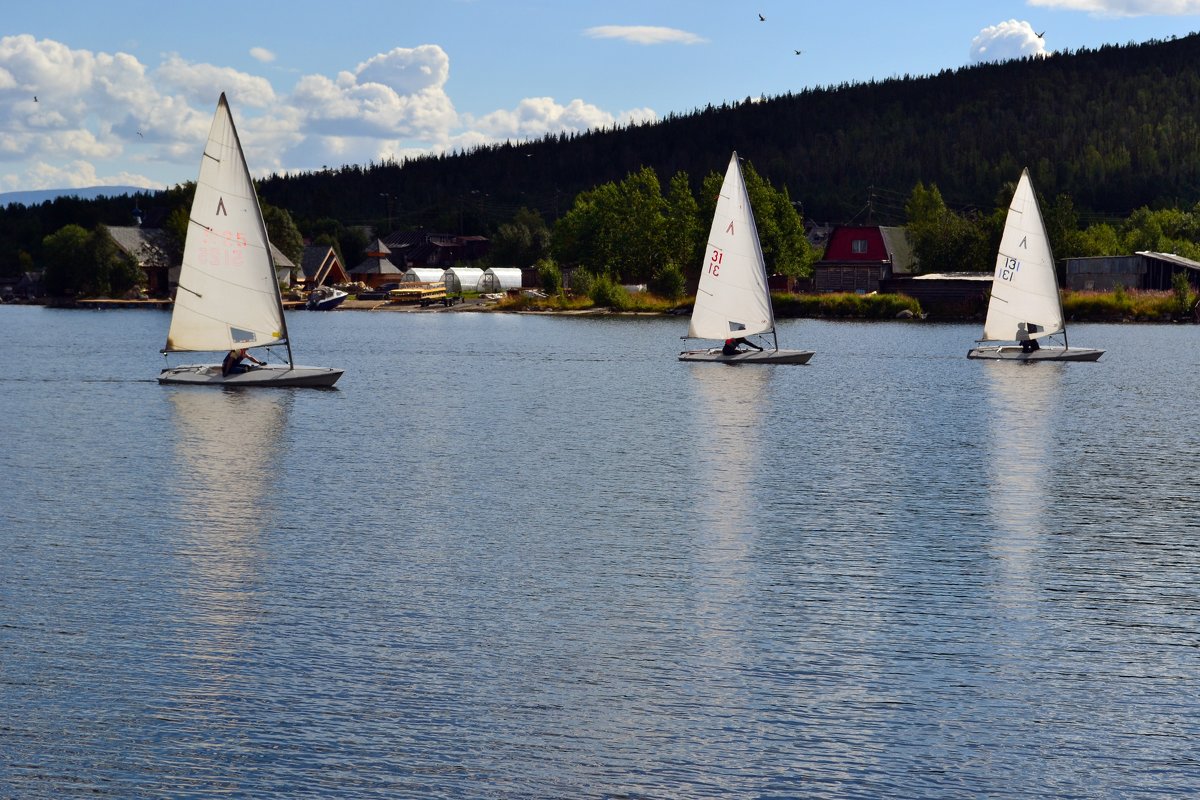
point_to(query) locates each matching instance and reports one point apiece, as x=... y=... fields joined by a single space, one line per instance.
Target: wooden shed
x=858 y=257
x=1142 y=270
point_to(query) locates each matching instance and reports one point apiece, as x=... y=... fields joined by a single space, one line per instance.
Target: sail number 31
x=714 y=262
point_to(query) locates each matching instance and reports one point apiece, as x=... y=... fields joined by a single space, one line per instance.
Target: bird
x=798 y=52
x=761 y=18
x=1042 y=34
x=35 y=98
x=139 y=133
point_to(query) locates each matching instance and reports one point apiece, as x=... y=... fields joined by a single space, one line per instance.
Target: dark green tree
x=64 y=258
x=283 y=232
x=82 y=263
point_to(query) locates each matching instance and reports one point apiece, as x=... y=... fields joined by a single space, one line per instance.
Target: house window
x=858 y=246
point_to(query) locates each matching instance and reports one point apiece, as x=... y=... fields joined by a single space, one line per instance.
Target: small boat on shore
x=325 y=298
x=733 y=300
x=1025 y=306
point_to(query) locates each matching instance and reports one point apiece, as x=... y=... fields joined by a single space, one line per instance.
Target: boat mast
x=267 y=239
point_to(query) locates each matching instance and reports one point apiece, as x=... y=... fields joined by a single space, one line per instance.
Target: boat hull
x=326 y=302
x=1015 y=353
x=750 y=357
x=270 y=376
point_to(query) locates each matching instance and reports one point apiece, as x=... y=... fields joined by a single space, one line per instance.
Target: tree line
x=1111 y=137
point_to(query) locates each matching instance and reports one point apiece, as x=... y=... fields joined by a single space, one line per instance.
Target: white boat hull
x=270 y=375
x=750 y=357
x=1010 y=352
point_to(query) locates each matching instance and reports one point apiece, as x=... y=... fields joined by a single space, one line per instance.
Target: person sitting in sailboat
x=1028 y=343
x=731 y=347
x=232 y=365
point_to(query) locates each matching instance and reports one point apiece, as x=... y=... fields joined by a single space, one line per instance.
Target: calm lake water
x=536 y=557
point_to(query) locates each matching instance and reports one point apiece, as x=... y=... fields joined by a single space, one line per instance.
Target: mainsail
x=732 y=299
x=228 y=294
x=1024 y=302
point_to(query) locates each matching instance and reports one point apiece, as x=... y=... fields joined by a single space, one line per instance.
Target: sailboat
x=1025 y=306
x=732 y=300
x=228 y=294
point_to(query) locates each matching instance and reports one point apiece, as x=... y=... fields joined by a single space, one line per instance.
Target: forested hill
x=1115 y=128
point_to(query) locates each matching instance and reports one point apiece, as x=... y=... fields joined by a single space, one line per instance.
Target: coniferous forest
x=1115 y=129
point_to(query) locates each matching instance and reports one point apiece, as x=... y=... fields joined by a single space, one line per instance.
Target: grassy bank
x=841 y=306
x=1121 y=305
x=1124 y=305
x=635 y=302
x=845 y=305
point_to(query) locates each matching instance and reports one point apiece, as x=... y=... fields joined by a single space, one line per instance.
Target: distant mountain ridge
x=38 y=196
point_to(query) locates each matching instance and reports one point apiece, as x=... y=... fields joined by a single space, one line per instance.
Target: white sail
x=732 y=299
x=1025 y=301
x=228 y=294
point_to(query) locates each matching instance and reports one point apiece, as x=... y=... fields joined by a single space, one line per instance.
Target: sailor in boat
x=232 y=365
x=733 y=346
x=1028 y=343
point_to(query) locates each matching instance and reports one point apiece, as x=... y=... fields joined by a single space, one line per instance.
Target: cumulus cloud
x=1005 y=41
x=644 y=34
x=102 y=117
x=200 y=82
x=262 y=54
x=1125 y=8
x=535 y=116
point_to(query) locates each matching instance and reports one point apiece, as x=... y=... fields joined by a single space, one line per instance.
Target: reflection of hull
x=750 y=357
x=272 y=375
x=1013 y=352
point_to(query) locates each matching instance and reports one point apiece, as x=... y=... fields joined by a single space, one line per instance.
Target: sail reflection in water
x=728 y=422
x=1022 y=402
x=227 y=445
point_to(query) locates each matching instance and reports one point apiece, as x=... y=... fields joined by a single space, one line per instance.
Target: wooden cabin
x=858 y=257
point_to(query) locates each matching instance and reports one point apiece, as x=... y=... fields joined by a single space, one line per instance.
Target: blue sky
x=126 y=89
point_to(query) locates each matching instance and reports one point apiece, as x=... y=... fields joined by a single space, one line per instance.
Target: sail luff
x=228 y=294
x=732 y=298
x=1025 y=302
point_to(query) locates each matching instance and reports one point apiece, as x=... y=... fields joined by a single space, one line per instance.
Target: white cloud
x=536 y=115
x=262 y=54
x=1005 y=41
x=203 y=83
x=103 y=116
x=1125 y=8
x=644 y=34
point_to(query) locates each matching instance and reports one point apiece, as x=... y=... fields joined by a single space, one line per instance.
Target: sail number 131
x=714 y=262
x=1008 y=270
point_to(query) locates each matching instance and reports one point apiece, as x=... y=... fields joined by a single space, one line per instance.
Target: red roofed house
x=858 y=257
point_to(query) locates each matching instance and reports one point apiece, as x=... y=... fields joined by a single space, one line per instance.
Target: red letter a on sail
x=221 y=207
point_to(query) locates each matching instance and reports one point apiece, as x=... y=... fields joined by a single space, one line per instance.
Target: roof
x=955 y=276
x=900 y=249
x=279 y=258
x=377 y=247
x=314 y=258
x=1170 y=258
x=376 y=266
x=149 y=247
x=320 y=263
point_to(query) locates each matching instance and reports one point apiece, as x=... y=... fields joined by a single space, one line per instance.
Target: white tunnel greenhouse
x=462 y=279
x=422 y=275
x=500 y=279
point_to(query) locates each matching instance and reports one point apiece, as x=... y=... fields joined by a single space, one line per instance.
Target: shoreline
x=478 y=305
